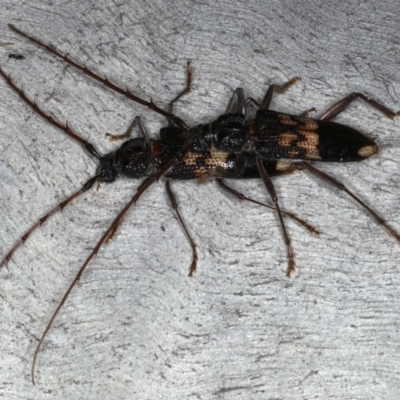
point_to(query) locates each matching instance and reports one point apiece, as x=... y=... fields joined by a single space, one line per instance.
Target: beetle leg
x=305 y=113
x=189 y=76
x=174 y=205
x=136 y=121
x=271 y=190
x=345 y=102
x=288 y=214
x=187 y=88
x=276 y=89
x=339 y=185
x=237 y=103
x=251 y=100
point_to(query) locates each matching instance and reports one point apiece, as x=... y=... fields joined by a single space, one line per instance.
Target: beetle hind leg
x=341 y=105
x=339 y=185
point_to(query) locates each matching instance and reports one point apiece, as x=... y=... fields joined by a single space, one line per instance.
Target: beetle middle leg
x=280 y=89
x=174 y=205
x=271 y=190
x=171 y=195
x=241 y=196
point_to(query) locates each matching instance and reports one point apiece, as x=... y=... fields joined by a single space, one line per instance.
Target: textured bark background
x=136 y=327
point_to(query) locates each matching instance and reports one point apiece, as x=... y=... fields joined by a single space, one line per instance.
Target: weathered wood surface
x=136 y=327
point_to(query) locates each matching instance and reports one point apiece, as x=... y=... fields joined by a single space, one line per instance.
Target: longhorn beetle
x=235 y=146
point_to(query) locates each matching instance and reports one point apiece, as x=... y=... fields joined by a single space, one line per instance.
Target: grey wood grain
x=136 y=327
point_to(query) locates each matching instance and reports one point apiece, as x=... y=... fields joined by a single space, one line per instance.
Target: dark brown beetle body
x=215 y=147
x=282 y=136
x=139 y=157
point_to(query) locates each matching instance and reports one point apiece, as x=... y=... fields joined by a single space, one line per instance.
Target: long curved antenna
x=126 y=92
x=142 y=188
x=31 y=103
x=23 y=239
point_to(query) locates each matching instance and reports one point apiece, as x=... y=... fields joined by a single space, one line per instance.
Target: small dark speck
x=16 y=56
x=163 y=228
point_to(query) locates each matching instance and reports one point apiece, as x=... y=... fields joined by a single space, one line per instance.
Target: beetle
x=235 y=145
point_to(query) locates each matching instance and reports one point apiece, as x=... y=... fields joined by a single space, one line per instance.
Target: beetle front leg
x=189 y=77
x=136 y=121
